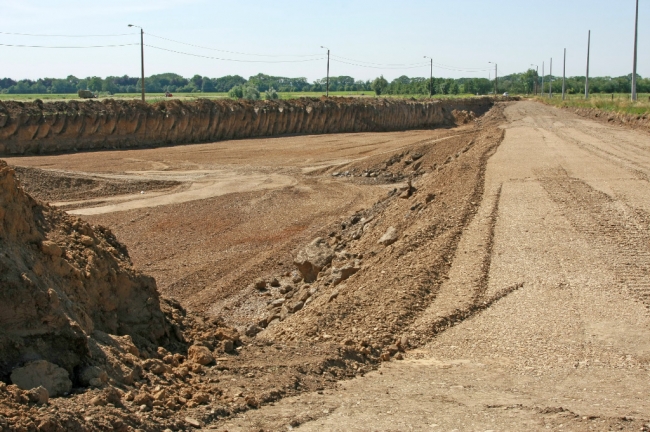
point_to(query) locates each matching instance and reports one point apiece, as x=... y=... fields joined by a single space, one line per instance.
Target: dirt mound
x=63 y=186
x=39 y=128
x=76 y=315
x=62 y=281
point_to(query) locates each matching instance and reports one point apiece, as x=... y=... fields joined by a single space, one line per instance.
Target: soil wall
x=39 y=128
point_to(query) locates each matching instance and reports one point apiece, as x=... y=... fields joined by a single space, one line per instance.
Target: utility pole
x=636 y=37
x=564 y=76
x=431 y=80
x=542 y=92
x=327 y=89
x=496 y=79
x=536 y=77
x=587 y=77
x=141 y=56
x=550 y=80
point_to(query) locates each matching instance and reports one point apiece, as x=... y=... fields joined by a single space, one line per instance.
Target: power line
x=380 y=67
x=403 y=66
x=233 y=60
x=233 y=52
x=379 y=64
x=67 y=47
x=68 y=36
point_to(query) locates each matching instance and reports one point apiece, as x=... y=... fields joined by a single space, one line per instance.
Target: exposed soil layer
x=389 y=221
x=40 y=128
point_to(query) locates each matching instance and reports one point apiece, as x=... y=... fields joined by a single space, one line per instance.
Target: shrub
x=236 y=92
x=271 y=94
x=251 y=93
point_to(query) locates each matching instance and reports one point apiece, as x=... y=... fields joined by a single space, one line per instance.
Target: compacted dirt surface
x=565 y=216
x=491 y=276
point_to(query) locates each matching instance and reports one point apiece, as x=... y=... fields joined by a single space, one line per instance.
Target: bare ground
x=519 y=285
x=565 y=213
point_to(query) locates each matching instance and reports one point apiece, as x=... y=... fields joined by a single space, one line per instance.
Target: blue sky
x=464 y=34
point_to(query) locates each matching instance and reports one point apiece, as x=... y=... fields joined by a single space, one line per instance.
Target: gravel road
x=555 y=267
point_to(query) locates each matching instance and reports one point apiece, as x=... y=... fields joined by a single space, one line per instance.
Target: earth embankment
x=41 y=128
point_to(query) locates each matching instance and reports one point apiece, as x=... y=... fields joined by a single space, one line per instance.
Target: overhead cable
x=68 y=47
x=380 y=67
x=67 y=36
x=233 y=60
x=234 y=52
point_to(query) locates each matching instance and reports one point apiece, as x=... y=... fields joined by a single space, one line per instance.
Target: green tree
x=207 y=86
x=379 y=85
x=95 y=84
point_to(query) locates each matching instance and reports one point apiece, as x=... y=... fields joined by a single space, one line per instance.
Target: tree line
x=520 y=83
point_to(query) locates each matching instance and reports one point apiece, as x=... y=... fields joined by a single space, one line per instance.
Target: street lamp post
x=327 y=88
x=542 y=90
x=431 y=79
x=496 y=79
x=141 y=56
x=536 y=77
x=587 y=76
x=636 y=37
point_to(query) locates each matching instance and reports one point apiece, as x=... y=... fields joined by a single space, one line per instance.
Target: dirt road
x=551 y=288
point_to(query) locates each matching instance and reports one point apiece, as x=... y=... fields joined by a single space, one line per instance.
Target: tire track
x=609 y=224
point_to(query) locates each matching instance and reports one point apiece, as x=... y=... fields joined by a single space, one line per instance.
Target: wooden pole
x=587 y=77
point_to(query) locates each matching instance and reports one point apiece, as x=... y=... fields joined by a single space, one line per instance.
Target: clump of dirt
x=51 y=186
x=76 y=315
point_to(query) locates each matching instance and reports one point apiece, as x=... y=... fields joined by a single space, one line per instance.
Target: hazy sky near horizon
x=462 y=34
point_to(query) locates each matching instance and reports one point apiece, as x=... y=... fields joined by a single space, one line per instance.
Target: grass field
x=157 y=97
x=618 y=102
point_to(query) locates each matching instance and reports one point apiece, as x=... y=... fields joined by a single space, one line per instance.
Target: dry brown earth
x=515 y=287
x=566 y=214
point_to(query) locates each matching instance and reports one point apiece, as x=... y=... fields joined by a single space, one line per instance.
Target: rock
x=143 y=399
x=313 y=258
x=252 y=402
x=50 y=248
x=286 y=288
x=342 y=273
x=87 y=241
x=42 y=373
x=334 y=295
x=228 y=345
x=404 y=342
x=252 y=330
x=274 y=282
x=200 y=355
x=259 y=284
x=277 y=303
x=407 y=191
x=98 y=401
x=385 y=357
x=389 y=237
x=193 y=422
x=93 y=376
x=154 y=366
x=39 y=395
x=201 y=398
x=416 y=156
x=296 y=307
x=295 y=277
x=430 y=197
